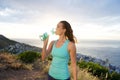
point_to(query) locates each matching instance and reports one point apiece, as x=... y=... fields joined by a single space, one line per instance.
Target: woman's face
x=59 y=29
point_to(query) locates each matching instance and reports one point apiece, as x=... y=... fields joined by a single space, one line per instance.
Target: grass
x=10 y=61
x=11 y=68
x=83 y=74
x=38 y=70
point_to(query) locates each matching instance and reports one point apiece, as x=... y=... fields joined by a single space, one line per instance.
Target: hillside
x=29 y=66
x=13 y=69
x=7 y=45
x=4 y=42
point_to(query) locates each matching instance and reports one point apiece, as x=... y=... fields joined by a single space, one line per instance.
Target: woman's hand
x=45 y=42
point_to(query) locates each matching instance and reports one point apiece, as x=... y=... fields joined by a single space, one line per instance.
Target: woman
x=62 y=50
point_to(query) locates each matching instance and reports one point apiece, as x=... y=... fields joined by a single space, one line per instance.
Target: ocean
x=102 y=49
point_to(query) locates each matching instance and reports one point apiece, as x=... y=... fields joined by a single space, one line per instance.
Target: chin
x=56 y=33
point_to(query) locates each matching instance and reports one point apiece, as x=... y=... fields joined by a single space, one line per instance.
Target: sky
x=90 y=19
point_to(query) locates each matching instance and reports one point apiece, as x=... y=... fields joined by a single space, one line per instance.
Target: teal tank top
x=59 y=65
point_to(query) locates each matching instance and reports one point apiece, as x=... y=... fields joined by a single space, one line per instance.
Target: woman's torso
x=59 y=66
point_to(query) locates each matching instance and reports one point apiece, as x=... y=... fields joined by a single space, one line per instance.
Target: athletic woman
x=62 y=50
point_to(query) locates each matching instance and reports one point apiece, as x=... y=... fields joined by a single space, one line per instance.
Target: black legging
x=51 y=78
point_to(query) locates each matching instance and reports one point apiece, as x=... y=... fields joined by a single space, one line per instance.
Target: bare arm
x=46 y=52
x=72 y=50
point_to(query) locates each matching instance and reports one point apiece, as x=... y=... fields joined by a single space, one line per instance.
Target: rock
x=20 y=47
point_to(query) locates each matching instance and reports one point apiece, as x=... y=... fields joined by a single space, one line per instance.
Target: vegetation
x=32 y=62
x=98 y=70
x=28 y=56
x=9 y=61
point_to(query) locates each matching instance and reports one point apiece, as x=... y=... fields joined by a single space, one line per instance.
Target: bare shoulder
x=71 y=45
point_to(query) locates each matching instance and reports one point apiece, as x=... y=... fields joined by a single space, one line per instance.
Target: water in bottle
x=45 y=35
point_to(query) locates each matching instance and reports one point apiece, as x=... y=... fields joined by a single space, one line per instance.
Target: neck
x=62 y=38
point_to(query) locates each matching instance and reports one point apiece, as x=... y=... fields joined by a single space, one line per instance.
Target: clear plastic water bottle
x=45 y=35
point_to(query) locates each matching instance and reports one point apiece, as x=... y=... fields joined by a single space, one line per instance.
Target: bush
x=9 y=61
x=98 y=70
x=28 y=56
x=115 y=76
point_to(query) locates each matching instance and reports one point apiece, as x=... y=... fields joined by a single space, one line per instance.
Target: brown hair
x=69 y=31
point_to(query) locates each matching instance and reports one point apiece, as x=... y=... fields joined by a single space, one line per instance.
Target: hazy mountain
x=4 y=42
x=15 y=47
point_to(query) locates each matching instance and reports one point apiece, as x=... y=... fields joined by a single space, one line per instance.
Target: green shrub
x=98 y=70
x=28 y=56
x=82 y=64
x=115 y=76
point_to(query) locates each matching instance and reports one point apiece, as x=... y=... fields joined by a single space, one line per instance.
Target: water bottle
x=45 y=35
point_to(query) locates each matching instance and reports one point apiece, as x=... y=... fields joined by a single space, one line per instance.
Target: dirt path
x=22 y=75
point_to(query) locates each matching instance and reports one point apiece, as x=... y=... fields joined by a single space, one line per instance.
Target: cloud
x=107 y=21
x=7 y=12
x=89 y=18
x=81 y=10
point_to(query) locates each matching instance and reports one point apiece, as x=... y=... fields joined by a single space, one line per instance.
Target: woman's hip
x=52 y=78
